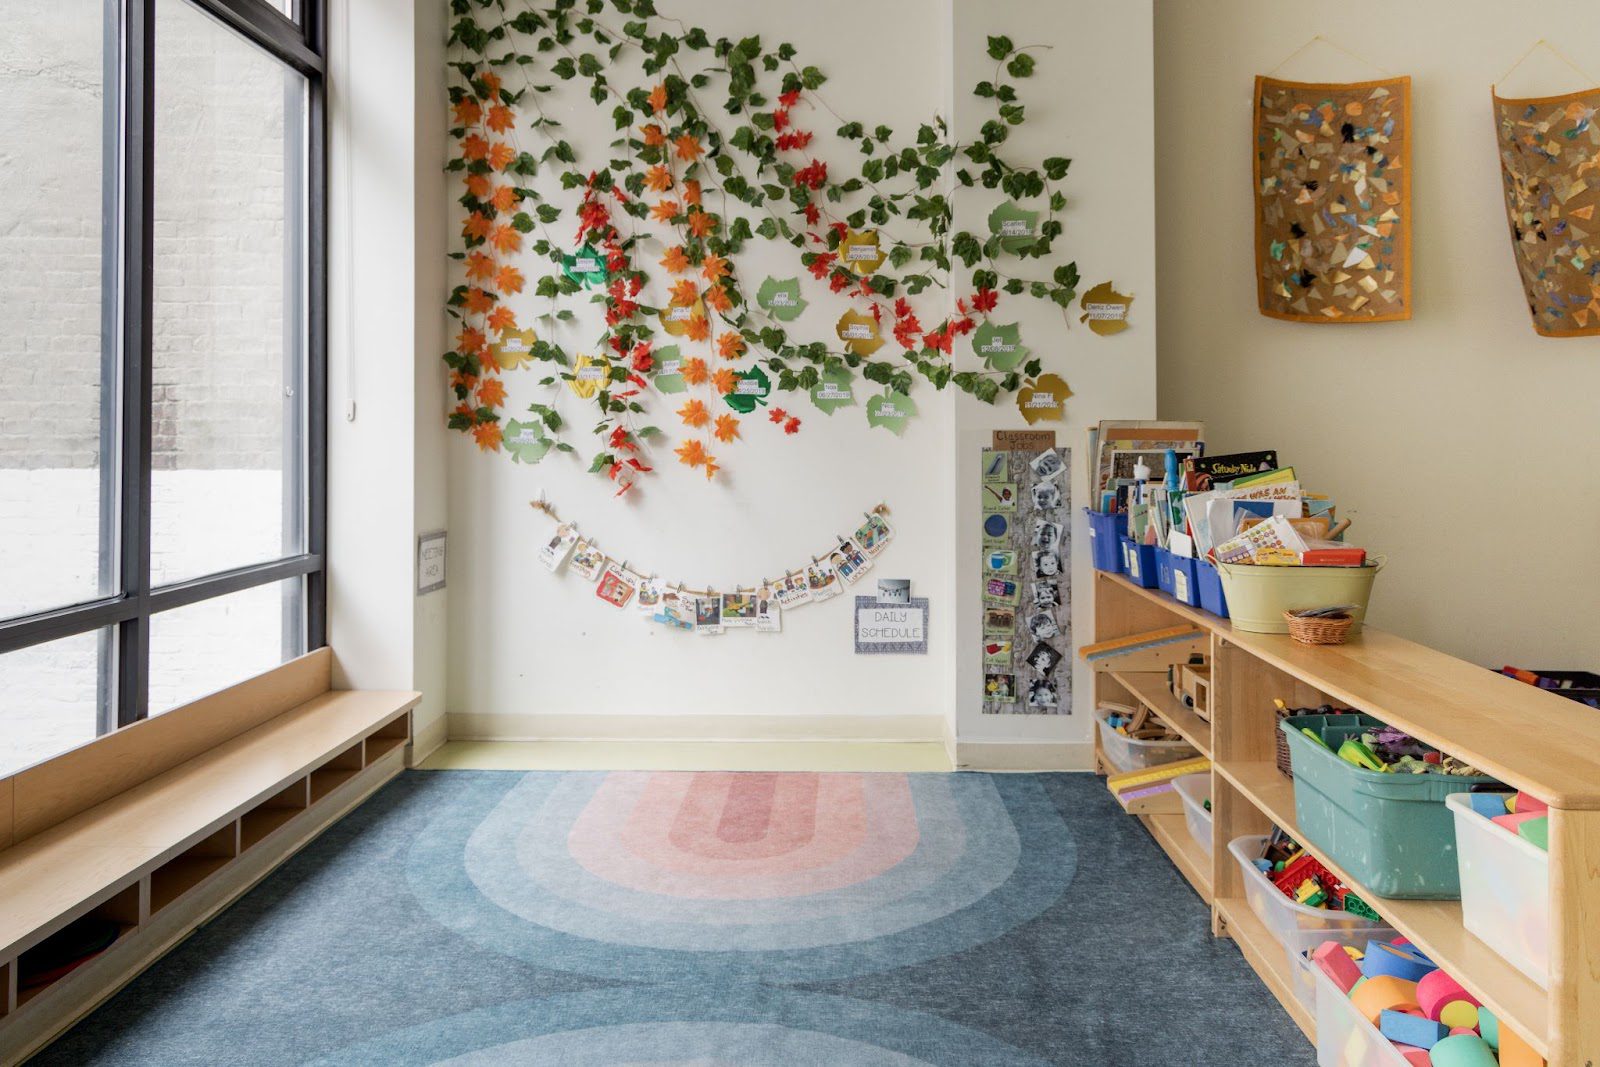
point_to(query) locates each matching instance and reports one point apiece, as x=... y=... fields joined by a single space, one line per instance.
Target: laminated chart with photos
x=758 y=605
x=1332 y=168
x=1027 y=584
x=1550 y=166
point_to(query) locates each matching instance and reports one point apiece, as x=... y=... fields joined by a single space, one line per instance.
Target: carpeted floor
x=588 y=918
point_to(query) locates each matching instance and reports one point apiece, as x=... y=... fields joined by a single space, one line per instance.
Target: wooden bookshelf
x=1529 y=739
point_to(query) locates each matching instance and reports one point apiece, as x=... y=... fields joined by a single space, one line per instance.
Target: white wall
x=529 y=649
x=1461 y=443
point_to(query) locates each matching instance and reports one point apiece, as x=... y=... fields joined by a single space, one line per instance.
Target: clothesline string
x=1331 y=44
x=1553 y=50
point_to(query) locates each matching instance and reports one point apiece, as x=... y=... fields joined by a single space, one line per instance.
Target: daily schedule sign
x=891 y=628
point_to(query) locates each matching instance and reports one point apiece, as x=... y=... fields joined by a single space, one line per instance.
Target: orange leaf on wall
x=506 y=239
x=699 y=328
x=505 y=198
x=658 y=178
x=687 y=147
x=727 y=427
x=509 y=280
x=653 y=137
x=658 y=99
x=474 y=147
x=664 y=211
x=501 y=319
x=478 y=301
x=694 y=414
x=487 y=434
x=479 y=267
x=694 y=371
x=467 y=112
x=501 y=155
x=675 y=261
x=499 y=118
x=730 y=345
x=685 y=292
x=725 y=381
x=491 y=392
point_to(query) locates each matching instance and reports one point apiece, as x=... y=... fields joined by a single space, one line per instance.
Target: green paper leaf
x=832 y=391
x=752 y=388
x=667 y=379
x=890 y=409
x=1000 y=347
x=525 y=441
x=585 y=266
x=1015 y=227
x=781 y=298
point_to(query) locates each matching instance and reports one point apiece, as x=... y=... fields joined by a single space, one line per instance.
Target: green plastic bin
x=1392 y=832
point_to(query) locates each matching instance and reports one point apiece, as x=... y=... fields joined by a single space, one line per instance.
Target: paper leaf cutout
x=1016 y=228
x=859 y=333
x=860 y=251
x=667 y=378
x=781 y=298
x=1105 y=309
x=1000 y=347
x=514 y=348
x=890 y=409
x=675 y=317
x=1044 y=399
x=832 y=391
x=751 y=388
x=585 y=266
x=525 y=441
x=588 y=375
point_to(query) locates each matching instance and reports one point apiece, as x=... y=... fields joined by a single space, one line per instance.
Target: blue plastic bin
x=1392 y=832
x=1105 y=547
x=1186 y=581
x=1210 y=583
x=1139 y=563
x=1163 y=570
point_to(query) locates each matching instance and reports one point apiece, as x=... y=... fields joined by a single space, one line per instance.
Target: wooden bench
x=147 y=832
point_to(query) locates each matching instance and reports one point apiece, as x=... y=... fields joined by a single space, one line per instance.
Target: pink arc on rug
x=742 y=836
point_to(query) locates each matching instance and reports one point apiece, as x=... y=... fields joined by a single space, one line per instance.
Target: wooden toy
x=1438 y=989
x=1194 y=684
x=1404 y=1028
x=1331 y=958
x=1373 y=995
x=1463 y=1050
x=1148 y=776
x=1395 y=961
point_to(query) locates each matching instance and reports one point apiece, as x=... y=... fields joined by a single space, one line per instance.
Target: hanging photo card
x=739 y=609
x=792 y=590
x=891 y=628
x=615 y=587
x=873 y=535
x=649 y=596
x=850 y=562
x=708 y=614
x=677 y=610
x=822 y=581
x=769 y=612
x=556 y=550
x=587 y=560
x=999 y=692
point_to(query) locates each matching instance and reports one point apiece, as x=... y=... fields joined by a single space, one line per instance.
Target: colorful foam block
x=1536 y=831
x=1437 y=990
x=1414 y=1057
x=1394 y=960
x=1515 y=1052
x=1489 y=805
x=1460 y=1015
x=1375 y=995
x=1331 y=958
x=1462 y=1050
x=1511 y=822
x=1406 y=1029
x=1530 y=805
x=1489 y=1027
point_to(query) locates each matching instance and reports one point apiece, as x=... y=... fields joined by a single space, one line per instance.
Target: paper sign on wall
x=891 y=628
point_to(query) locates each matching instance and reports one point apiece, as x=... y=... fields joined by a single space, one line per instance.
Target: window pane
x=198 y=649
x=50 y=699
x=229 y=317
x=51 y=125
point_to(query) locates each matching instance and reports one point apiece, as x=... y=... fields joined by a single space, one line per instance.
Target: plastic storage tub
x=1258 y=596
x=1297 y=928
x=1211 y=598
x=1505 y=890
x=1139 y=563
x=1186 y=581
x=1391 y=832
x=1195 y=792
x=1105 y=540
x=1164 y=570
x=1131 y=754
x=1344 y=1038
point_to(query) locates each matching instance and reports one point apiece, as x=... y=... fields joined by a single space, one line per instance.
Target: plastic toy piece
x=1373 y=996
x=1438 y=990
x=1406 y=1029
x=1414 y=1057
x=1511 y=822
x=1489 y=1027
x=1514 y=1051
x=1490 y=805
x=1463 y=1050
x=1353 y=751
x=1331 y=958
x=1536 y=832
x=1526 y=804
x=1395 y=962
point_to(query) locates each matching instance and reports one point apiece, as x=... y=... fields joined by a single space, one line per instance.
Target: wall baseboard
x=1023 y=756
x=474 y=726
x=426 y=741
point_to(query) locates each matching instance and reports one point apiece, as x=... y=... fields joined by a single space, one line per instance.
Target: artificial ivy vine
x=712 y=153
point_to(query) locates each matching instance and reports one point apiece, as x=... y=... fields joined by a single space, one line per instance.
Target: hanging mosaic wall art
x=1332 y=169
x=1550 y=168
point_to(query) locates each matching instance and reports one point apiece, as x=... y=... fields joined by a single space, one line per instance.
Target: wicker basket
x=1320 y=630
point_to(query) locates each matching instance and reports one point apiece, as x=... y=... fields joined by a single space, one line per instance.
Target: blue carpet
x=764 y=919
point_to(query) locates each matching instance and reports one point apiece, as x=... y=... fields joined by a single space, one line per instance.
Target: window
x=162 y=182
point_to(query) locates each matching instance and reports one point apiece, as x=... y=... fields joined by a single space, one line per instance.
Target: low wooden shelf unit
x=1531 y=740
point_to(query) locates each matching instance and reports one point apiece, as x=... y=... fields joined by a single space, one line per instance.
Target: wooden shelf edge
x=1150 y=689
x=1172 y=834
x=1431 y=924
x=1266 y=956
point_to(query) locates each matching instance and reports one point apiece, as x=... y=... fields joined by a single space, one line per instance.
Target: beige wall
x=1463 y=445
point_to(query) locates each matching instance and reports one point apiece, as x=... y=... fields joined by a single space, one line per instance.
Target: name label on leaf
x=861 y=252
x=830 y=391
x=1015 y=228
x=887 y=409
x=513 y=344
x=997 y=346
x=591 y=373
x=1046 y=401
x=680 y=314
x=784 y=299
x=526 y=436
x=1107 y=312
x=670 y=366
x=748 y=387
x=857 y=331
x=585 y=265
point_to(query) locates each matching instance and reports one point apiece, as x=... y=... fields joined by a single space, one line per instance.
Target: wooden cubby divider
x=337 y=771
x=275 y=811
x=388 y=737
x=193 y=865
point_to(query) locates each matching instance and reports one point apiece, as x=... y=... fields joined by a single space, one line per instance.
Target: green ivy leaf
x=1000 y=347
x=525 y=441
x=999 y=47
x=781 y=298
x=1016 y=228
x=890 y=409
x=750 y=389
x=1021 y=65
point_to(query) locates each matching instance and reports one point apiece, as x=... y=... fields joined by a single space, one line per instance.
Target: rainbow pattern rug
x=581 y=919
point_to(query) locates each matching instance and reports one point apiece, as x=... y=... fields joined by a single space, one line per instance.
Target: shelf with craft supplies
x=1420 y=715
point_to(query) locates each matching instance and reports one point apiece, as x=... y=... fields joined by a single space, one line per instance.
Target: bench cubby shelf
x=1529 y=739
x=183 y=814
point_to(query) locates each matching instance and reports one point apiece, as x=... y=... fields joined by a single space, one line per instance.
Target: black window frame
x=126 y=452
